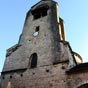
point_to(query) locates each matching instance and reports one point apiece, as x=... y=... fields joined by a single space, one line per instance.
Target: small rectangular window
x=37 y=29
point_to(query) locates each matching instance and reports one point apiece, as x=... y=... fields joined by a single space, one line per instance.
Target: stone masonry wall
x=77 y=79
x=52 y=76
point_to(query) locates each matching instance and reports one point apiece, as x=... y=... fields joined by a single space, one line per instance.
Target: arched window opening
x=83 y=86
x=40 y=12
x=33 y=60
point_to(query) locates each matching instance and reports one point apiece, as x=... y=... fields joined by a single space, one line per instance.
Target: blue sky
x=74 y=13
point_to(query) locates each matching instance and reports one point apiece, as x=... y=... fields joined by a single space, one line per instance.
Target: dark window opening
x=44 y=13
x=33 y=58
x=37 y=29
x=37 y=16
x=38 y=13
x=3 y=77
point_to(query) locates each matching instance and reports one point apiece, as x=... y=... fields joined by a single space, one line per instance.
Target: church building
x=43 y=58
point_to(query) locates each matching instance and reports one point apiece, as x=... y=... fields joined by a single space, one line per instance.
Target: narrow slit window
x=36 y=31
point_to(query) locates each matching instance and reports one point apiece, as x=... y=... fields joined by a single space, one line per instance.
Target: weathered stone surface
x=50 y=76
x=46 y=44
x=44 y=59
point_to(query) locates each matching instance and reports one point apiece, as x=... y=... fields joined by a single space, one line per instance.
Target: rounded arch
x=83 y=86
x=33 y=60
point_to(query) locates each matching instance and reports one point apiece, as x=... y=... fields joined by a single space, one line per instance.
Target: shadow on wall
x=0 y=80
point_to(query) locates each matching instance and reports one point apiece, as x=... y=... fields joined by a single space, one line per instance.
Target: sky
x=74 y=13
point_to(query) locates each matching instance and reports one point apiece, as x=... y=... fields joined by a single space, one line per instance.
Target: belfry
x=43 y=58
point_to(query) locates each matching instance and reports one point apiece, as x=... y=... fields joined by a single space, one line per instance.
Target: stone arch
x=83 y=86
x=33 y=60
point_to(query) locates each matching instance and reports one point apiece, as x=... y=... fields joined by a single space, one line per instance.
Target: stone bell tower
x=41 y=56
